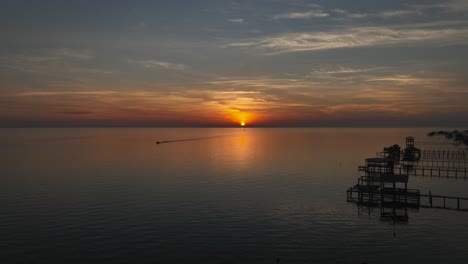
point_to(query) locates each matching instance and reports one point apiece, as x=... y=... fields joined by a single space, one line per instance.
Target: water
x=210 y=196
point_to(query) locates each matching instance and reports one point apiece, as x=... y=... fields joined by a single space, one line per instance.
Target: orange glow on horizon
x=240 y=117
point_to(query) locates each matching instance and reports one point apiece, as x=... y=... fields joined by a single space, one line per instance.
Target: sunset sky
x=223 y=62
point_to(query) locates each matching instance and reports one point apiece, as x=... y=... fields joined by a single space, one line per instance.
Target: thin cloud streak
x=338 y=70
x=301 y=15
x=388 y=14
x=73 y=53
x=237 y=20
x=52 y=93
x=410 y=10
x=161 y=64
x=453 y=6
x=355 y=37
x=58 y=63
x=271 y=83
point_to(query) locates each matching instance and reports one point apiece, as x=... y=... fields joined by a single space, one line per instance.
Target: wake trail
x=193 y=139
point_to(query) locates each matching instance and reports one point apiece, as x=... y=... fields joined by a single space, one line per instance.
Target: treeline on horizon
x=455 y=135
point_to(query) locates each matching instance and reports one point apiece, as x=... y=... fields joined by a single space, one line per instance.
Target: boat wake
x=191 y=139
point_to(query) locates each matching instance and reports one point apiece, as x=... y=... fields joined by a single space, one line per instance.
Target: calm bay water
x=210 y=196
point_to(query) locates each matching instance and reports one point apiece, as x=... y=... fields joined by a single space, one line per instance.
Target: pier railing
x=438 y=154
x=433 y=172
x=441 y=201
x=441 y=154
x=451 y=143
x=448 y=163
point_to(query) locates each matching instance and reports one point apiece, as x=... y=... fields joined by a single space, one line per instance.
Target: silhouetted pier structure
x=447 y=163
x=380 y=185
x=433 y=172
x=443 y=154
x=392 y=152
x=435 y=144
x=385 y=180
x=411 y=153
x=445 y=202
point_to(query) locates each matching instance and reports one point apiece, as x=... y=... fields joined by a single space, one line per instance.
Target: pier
x=385 y=180
x=445 y=202
x=438 y=143
x=382 y=186
x=443 y=163
x=434 y=171
x=454 y=154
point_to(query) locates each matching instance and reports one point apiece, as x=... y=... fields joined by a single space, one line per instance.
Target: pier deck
x=384 y=175
x=384 y=196
x=433 y=171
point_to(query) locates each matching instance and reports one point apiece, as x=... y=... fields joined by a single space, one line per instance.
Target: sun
x=240 y=117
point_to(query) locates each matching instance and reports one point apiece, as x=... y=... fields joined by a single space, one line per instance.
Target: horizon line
x=241 y=127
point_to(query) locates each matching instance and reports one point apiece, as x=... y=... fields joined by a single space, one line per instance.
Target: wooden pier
x=437 y=154
x=387 y=197
x=445 y=144
x=434 y=172
x=442 y=201
x=440 y=154
x=385 y=179
x=447 y=163
x=411 y=198
x=382 y=186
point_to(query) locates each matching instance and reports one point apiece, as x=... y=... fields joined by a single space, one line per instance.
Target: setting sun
x=242 y=123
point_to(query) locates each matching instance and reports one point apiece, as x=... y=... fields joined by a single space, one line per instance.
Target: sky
x=222 y=62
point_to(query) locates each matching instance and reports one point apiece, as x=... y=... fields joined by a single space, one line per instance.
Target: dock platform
x=385 y=180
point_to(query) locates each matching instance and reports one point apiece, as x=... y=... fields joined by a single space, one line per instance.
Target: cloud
x=412 y=10
x=377 y=89
x=70 y=93
x=338 y=70
x=453 y=6
x=61 y=63
x=401 y=79
x=357 y=15
x=47 y=56
x=301 y=15
x=355 y=37
x=398 y=13
x=261 y=82
x=389 y=14
x=73 y=54
x=344 y=14
x=237 y=20
x=163 y=64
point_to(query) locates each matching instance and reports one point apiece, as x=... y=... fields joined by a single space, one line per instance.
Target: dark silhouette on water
x=392 y=152
x=411 y=153
x=456 y=136
x=379 y=185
